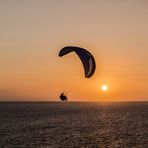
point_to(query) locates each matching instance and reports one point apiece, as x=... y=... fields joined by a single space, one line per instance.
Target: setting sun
x=104 y=87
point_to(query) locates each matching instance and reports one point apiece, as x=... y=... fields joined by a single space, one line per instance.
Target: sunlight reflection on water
x=60 y=124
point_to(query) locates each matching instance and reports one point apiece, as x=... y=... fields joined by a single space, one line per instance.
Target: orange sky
x=33 y=32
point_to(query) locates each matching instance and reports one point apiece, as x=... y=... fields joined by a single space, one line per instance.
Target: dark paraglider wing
x=86 y=58
x=66 y=50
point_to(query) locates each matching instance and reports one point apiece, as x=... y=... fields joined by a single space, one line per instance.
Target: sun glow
x=104 y=87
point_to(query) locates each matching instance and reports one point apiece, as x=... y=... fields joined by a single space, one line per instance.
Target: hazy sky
x=33 y=31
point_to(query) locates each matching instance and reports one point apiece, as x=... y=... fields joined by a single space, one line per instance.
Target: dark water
x=53 y=125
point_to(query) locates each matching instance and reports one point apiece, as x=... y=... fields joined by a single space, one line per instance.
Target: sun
x=104 y=87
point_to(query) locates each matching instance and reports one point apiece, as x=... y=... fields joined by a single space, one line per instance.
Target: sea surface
x=73 y=125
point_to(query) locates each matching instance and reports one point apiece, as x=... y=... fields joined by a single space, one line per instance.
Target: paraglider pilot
x=63 y=97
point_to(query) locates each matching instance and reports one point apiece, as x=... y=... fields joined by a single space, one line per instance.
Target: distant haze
x=33 y=31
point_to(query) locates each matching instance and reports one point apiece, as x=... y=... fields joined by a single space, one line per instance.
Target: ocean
x=73 y=125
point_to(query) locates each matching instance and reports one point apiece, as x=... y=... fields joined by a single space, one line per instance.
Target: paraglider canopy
x=86 y=58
